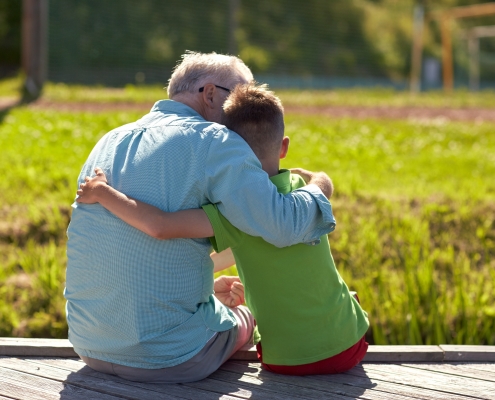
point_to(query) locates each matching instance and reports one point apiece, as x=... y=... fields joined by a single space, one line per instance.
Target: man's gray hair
x=198 y=69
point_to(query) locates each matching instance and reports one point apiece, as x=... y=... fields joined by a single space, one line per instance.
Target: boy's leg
x=245 y=326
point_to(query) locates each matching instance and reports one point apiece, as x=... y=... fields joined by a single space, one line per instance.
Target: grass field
x=340 y=97
x=414 y=204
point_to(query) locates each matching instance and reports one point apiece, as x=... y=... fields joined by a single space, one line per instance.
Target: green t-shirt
x=303 y=309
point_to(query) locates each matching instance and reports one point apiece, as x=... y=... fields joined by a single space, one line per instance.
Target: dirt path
x=408 y=113
x=357 y=112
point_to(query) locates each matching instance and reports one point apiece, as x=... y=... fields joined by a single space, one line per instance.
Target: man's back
x=132 y=299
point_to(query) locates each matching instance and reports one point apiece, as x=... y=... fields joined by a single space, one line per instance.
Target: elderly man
x=142 y=308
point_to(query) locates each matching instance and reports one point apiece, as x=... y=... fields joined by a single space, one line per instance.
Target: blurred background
x=287 y=43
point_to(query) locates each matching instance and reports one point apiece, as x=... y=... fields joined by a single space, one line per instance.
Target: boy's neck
x=271 y=167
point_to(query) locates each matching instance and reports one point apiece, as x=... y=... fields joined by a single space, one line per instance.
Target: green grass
x=396 y=158
x=382 y=97
x=414 y=203
x=352 y=97
x=10 y=87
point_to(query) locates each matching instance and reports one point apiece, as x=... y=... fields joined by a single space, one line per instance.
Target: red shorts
x=334 y=365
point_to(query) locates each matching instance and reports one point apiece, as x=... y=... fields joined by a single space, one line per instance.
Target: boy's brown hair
x=257 y=115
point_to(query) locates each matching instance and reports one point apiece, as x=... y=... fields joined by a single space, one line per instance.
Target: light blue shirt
x=147 y=303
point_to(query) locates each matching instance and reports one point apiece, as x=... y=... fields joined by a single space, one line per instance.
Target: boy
x=308 y=320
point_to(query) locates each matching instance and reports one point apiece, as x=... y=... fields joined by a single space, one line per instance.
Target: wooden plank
x=396 y=386
x=282 y=388
x=36 y=347
x=341 y=385
x=100 y=385
x=62 y=348
x=452 y=385
x=392 y=388
x=17 y=390
x=375 y=354
x=468 y=353
x=177 y=390
x=455 y=369
x=239 y=390
x=479 y=366
x=20 y=385
x=26 y=347
x=403 y=354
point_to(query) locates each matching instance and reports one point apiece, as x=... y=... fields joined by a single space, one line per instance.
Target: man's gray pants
x=218 y=350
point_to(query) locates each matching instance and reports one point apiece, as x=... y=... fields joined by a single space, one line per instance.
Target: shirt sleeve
x=245 y=195
x=226 y=235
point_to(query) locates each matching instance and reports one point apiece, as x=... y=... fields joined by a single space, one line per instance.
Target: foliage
x=120 y=41
x=414 y=205
x=10 y=35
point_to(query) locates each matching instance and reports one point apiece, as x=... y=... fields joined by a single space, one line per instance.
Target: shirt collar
x=174 y=107
x=282 y=181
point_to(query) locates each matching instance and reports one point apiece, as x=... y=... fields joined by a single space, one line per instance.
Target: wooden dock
x=49 y=369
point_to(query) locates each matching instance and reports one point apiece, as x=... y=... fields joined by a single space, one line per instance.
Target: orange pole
x=475 y=10
x=445 y=17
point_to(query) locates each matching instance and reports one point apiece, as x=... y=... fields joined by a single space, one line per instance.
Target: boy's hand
x=88 y=191
x=303 y=173
x=229 y=290
x=319 y=179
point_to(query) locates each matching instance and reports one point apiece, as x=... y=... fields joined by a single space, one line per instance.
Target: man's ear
x=208 y=92
x=285 y=147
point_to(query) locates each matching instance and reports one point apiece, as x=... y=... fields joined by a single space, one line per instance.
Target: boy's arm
x=236 y=183
x=222 y=260
x=145 y=217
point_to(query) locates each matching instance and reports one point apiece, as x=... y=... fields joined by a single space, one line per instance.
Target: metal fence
x=287 y=43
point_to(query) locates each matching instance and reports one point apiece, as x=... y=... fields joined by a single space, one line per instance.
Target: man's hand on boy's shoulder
x=319 y=179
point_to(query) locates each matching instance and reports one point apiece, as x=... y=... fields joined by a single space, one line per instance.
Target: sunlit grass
x=348 y=97
x=397 y=159
x=366 y=97
x=60 y=92
x=43 y=152
x=11 y=87
x=414 y=204
x=382 y=97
